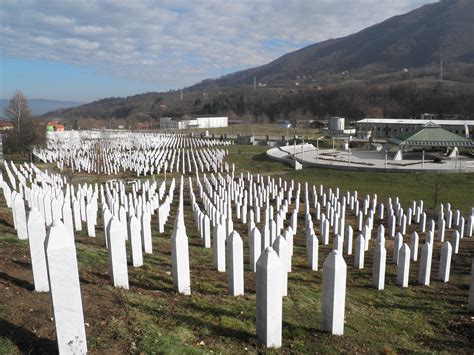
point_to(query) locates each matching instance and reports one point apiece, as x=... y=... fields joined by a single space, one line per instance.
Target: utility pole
x=181 y=94
x=441 y=71
x=254 y=83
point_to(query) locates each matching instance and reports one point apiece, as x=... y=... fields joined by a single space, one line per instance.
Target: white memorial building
x=193 y=122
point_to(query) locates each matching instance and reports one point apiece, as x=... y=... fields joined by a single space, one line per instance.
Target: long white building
x=193 y=122
x=392 y=127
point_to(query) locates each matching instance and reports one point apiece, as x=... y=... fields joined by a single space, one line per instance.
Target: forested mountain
x=389 y=69
x=418 y=39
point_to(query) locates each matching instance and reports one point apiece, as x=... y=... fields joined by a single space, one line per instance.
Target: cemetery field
x=454 y=188
x=152 y=317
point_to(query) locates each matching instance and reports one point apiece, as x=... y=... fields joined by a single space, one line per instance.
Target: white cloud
x=177 y=42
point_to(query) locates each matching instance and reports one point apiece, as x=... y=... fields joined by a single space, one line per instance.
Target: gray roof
x=406 y=121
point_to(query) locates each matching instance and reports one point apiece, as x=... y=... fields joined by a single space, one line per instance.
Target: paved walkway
x=361 y=159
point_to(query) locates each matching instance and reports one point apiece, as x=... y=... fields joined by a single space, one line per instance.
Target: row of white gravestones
x=445 y=257
x=333 y=324
x=255 y=237
x=338 y=239
x=334 y=327
x=65 y=290
x=51 y=203
x=270 y=288
x=404 y=254
x=54 y=267
x=180 y=250
x=137 y=230
x=455 y=242
x=149 y=154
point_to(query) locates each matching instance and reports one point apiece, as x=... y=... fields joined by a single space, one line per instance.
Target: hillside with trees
x=391 y=69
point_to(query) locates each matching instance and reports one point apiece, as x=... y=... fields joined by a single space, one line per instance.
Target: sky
x=84 y=50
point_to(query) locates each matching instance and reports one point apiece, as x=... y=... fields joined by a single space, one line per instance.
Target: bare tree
x=17 y=109
x=438 y=184
x=27 y=131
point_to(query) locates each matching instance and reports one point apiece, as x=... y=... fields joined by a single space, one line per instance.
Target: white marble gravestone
x=76 y=209
x=397 y=244
x=414 y=240
x=145 y=230
x=455 y=239
x=333 y=298
x=425 y=264
x=312 y=251
x=36 y=237
x=378 y=271
x=206 y=231
x=117 y=253
x=445 y=261
x=20 y=217
x=255 y=243
x=65 y=290
x=281 y=248
x=348 y=235
x=218 y=246
x=269 y=299
x=180 y=256
x=359 y=252
x=235 y=264
x=67 y=218
x=403 y=266
x=90 y=212
x=135 y=240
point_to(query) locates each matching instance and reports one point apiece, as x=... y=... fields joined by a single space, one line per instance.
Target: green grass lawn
x=457 y=189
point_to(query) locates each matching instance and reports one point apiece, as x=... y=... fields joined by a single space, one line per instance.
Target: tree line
x=354 y=102
x=271 y=104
